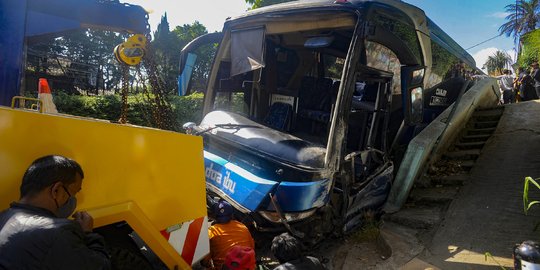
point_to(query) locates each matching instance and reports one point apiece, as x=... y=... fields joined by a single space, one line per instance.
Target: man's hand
x=85 y=220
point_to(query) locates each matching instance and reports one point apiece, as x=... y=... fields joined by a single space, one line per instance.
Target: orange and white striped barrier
x=190 y=239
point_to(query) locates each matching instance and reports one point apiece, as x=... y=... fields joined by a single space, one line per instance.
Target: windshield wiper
x=226 y=126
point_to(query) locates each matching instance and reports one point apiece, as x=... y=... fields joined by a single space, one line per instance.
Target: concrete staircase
x=433 y=193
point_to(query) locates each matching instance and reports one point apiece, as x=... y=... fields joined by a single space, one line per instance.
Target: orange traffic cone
x=44 y=94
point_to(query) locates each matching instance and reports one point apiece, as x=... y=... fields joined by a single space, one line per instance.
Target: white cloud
x=481 y=56
x=500 y=15
x=209 y=13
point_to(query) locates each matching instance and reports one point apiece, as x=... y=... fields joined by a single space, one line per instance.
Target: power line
x=483 y=42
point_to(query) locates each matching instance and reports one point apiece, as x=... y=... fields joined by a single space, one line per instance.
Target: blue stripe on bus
x=302 y=196
x=250 y=191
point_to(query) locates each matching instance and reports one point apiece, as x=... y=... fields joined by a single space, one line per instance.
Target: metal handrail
x=22 y=99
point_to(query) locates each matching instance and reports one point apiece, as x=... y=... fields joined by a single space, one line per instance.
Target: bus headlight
x=289 y=217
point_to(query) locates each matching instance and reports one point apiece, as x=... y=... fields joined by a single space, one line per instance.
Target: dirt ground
x=486 y=216
x=360 y=250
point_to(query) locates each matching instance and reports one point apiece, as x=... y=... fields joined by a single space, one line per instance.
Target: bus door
x=367 y=156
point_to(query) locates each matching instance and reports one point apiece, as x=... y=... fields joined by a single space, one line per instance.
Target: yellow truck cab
x=149 y=180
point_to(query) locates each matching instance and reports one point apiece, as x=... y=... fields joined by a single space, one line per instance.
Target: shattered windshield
x=285 y=73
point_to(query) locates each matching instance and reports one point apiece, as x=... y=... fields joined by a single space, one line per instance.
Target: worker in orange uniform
x=225 y=234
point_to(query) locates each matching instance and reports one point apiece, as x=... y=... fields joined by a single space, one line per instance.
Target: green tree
x=497 y=62
x=91 y=64
x=108 y=72
x=522 y=18
x=263 y=3
x=166 y=48
x=188 y=32
x=205 y=54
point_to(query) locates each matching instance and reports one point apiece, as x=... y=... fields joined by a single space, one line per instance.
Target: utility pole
x=518 y=49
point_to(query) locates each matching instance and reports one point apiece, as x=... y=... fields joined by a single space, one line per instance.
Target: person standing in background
x=535 y=74
x=506 y=82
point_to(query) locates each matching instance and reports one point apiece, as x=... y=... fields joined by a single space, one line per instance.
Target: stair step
x=467 y=164
x=434 y=194
x=477 y=137
x=470 y=145
x=486 y=118
x=492 y=109
x=478 y=131
x=463 y=154
x=419 y=217
x=452 y=180
x=493 y=112
x=485 y=124
x=472 y=139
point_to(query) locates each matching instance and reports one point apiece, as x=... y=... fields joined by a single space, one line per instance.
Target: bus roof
x=416 y=14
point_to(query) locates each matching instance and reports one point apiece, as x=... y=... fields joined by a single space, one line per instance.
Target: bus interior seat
x=279 y=116
x=315 y=99
x=359 y=104
x=365 y=99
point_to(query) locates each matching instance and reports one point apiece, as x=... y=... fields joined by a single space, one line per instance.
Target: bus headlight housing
x=289 y=217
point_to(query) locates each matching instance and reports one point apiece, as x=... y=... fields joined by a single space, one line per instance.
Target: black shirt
x=34 y=238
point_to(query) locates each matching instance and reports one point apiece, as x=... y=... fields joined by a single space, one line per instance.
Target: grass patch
x=370 y=229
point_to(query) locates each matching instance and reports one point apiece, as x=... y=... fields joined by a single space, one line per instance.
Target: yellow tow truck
x=143 y=186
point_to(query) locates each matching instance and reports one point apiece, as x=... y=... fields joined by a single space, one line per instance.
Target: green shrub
x=75 y=104
x=188 y=108
x=108 y=107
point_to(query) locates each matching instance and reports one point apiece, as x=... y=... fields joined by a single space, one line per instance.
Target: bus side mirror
x=189 y=127
x=185 y=76
x=417 y=105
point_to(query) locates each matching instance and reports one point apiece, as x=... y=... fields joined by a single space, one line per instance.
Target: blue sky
x=469 y=22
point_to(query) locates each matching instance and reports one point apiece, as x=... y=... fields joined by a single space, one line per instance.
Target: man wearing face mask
x=35 y=232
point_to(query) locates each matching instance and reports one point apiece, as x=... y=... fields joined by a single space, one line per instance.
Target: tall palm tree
x=497 y=62
x=523 y=17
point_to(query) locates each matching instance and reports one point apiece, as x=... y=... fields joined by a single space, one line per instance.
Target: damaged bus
x=309 y=105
